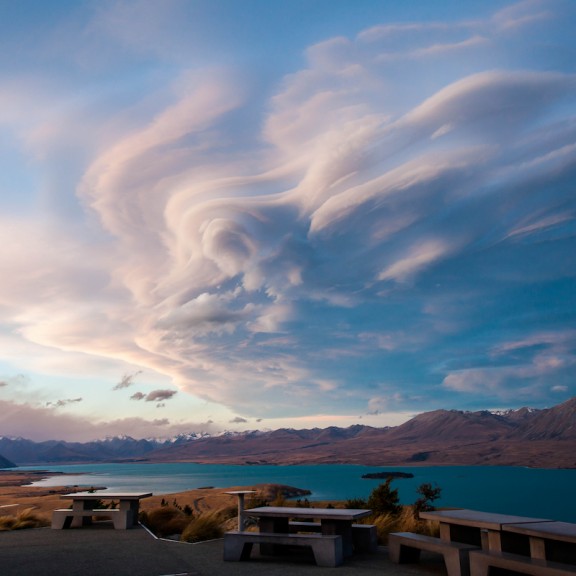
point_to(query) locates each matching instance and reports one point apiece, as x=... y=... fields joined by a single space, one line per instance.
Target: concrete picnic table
x=125 y=516
x=333 y=521
x=483 y=529
x=547 y=538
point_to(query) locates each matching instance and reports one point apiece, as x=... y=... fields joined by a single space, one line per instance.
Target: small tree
x=428 y=494
x=384 y=499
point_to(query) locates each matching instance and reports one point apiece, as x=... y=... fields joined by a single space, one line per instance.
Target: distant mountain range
x=525 y=437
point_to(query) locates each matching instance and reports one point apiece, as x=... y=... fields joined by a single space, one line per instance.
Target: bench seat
x=64 y=517
x=364 y=536
x=482 y=562
x=405 y=548
x=327 y=549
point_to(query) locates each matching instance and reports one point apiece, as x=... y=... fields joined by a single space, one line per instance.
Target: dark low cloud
x=60 y=403
x=126 y=381
x=155 y=396
x=160 y=395
x=238 y=420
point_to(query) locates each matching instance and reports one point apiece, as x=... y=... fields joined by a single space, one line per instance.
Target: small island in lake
x=386 y=475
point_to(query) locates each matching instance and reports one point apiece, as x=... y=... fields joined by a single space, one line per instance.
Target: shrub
x=427 y=495
x=205 y=527
x=355 y=503
x=165 y=521
x=385 y=500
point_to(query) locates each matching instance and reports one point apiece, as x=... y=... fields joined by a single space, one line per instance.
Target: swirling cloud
x=400 y=204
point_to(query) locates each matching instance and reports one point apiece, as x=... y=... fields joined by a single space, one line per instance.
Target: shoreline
x=16 y=488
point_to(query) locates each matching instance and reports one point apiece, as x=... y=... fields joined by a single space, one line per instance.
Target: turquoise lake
x=525 y=491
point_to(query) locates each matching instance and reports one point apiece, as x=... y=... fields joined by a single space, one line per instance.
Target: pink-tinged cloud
x=41 y=423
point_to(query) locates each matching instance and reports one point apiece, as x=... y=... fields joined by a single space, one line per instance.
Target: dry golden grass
x=404 y=522
x=25 y=519
x=206 y=527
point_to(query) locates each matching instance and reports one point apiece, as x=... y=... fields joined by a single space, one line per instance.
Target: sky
x=229 y=215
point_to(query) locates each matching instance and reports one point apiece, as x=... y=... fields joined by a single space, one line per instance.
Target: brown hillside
x=538 y=438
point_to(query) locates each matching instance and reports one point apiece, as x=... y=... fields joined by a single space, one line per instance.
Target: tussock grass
x=24 y=519
x=169 y=521
x=165 y=521
x=205 y=527
x=403 y=522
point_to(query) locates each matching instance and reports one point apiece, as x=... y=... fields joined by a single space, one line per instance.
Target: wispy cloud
x=64 y=402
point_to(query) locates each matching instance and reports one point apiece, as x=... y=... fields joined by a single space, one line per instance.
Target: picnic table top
x=563 y=531
x=240 y=492
x=106 y=495
x=315 y=513
x=478 y=519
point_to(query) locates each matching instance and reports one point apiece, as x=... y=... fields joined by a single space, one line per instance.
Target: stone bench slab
x=327 y=549
x=481 y=563
x=364 y=536
x=64 y=518
x=405 y=547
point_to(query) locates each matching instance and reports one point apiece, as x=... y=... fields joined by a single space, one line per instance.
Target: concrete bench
x=327 y=549
x=65 y=517
x=481 y=564
x=364 y=536
x=405 y=547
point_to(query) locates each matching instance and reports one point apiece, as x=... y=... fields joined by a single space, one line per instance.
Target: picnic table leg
x=80 y=506
x=339 y=528
x=276 y=525
x=462 y=534
x=129 y=510
x=537 y=548
x=494 y=541
x=241 y=519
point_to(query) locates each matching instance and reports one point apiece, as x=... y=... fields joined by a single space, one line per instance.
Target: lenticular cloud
x=244 y=261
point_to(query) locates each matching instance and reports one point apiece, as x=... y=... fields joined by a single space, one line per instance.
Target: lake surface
x=525 y=491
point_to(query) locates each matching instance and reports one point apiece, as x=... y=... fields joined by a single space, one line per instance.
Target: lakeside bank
x=501 y=489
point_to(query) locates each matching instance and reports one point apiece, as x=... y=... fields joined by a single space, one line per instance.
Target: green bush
x=427 y=495
x=384 y=499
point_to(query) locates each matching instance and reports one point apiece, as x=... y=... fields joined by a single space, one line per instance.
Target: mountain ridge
x=544 y=438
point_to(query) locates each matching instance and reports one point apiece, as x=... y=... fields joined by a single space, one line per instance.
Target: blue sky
x=253 y=214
